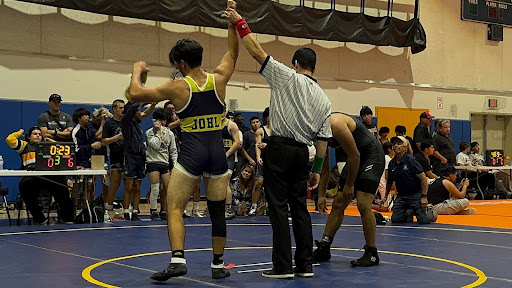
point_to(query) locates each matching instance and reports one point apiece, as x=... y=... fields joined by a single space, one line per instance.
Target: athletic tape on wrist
x=242 y=28
x=317 y=164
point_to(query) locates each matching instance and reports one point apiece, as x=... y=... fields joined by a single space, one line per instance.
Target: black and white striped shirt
x=299 y=109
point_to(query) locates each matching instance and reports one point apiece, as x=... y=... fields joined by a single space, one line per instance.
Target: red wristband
x=242 y=28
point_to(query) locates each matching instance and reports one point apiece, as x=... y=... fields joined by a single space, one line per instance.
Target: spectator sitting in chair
x=486 y=180
x=30 y=186
x=241 y=189
x=462 y=158
x=448 y=199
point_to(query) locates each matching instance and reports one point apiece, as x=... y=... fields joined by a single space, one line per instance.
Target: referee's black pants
x=286 y=173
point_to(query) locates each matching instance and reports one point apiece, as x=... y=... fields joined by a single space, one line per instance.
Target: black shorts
x=157 y=167
x=116 y=162
x=258 y=171
x=134 y=167
x=371 y=168
x=363 y=185
x=231 y=162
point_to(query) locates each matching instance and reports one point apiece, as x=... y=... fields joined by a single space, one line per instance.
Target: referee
x=300 y=112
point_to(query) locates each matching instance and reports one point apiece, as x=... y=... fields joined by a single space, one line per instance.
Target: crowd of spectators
x=428 y=157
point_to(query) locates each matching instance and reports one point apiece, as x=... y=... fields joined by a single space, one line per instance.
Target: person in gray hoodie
x=161 y=151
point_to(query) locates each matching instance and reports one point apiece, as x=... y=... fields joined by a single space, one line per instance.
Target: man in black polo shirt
x=427 y=149
x=444 y=154
x=421 y=132
x=411 y=185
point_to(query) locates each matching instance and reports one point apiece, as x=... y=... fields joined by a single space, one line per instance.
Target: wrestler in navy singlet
x=202 y=147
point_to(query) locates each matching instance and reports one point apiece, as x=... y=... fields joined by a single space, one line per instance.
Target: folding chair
x=4 y=191
x=43 y=194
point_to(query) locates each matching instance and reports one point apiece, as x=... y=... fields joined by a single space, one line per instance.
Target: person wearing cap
x=422 y=130
x=411 y=185
x=55 y=124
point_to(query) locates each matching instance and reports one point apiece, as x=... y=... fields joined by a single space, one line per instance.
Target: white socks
x=153 y=197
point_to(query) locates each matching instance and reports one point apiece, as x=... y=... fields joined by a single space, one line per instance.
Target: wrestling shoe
x=322 y=253
x=173 y=270
x=370 y=258
x=219 y=271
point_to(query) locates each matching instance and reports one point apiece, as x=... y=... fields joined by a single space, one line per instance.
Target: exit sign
x=493 y=103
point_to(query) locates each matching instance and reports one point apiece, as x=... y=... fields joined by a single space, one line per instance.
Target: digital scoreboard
x=488 y=11
x=494 y=158
x=55 y=156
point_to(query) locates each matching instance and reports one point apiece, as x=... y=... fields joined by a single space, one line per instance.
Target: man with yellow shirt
x=30 y=186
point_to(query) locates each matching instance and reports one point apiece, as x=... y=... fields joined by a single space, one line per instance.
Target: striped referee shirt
x=299 y=109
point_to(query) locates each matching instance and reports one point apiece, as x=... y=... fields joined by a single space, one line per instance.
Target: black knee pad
x=217 y=216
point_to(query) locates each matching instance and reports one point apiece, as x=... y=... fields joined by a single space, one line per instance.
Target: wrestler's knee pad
x=217 y=210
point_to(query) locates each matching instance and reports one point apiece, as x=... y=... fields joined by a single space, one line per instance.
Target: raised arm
x=99 y=133
x=227 y=64
x=165 y=91
x=110 y=140
x=154 y=136
x=14 y=142
x=251 y=44
x=454 y=192
x=146 y=112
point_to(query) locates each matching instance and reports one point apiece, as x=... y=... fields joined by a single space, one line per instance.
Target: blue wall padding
x=24 y=114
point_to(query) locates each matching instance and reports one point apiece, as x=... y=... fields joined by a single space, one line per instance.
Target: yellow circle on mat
x=86 y=273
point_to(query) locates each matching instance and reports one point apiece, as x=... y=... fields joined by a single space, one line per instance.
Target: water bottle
x=1 y=163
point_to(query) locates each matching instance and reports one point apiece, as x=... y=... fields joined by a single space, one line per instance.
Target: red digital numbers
x=71 y=162
x=492 y=12
x=51 y=162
